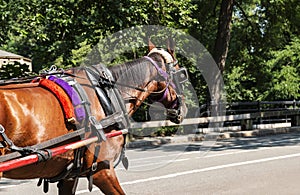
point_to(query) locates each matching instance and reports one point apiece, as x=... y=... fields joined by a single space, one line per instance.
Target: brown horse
x=31 y=114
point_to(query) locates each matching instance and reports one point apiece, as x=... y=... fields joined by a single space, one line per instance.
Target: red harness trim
x=62 y=97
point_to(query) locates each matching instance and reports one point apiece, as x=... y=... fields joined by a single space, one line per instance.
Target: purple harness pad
x=73 y=95
x=80 y=113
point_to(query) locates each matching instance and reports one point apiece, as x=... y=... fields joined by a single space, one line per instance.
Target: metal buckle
x=94 y=166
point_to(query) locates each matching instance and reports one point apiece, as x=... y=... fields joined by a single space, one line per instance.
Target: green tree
x=258 y=29
x=62 y=32
x=14 y=70
x=284 y=71
x=47 y=30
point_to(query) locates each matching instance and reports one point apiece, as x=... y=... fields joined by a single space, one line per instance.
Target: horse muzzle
x=175 y=116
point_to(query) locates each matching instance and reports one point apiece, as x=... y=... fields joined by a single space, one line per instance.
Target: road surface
x=263 y=165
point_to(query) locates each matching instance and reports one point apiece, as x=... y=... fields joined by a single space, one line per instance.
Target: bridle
x=172 y=76
x=169 y=82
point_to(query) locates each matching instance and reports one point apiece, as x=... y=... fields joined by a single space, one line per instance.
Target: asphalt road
x=263 y=165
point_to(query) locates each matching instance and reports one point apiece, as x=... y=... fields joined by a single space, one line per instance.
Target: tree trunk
x=217 y=93
x=223 y=35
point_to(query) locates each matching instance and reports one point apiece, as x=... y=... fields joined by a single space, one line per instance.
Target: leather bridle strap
x=163 y=73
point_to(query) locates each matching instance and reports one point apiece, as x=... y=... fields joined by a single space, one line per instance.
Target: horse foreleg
x=107 y=182
x=65 y=187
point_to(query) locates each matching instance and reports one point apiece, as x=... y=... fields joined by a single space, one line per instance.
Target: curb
x=158 y=141
x=147 y=142
x=261 y=132
x=241 y=134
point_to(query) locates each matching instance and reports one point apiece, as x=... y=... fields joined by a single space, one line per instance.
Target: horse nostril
x=178 y=119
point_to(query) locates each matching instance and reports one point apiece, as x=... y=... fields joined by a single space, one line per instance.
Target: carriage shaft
x=34 y=158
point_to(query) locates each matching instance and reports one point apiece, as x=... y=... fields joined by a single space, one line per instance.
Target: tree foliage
x=261 y=35
x=263 y=56
x=14 y=70
x=284 y=72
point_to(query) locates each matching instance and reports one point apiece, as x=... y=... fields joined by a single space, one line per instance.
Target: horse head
x=171 y=86
x=157 y=76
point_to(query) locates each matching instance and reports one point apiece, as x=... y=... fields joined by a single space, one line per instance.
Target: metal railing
x=246 y=115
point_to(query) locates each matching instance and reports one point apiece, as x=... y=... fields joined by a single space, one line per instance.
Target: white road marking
x=211 y=169
x=235 y=152
x=203 y=153
x=202 y=170
x=207 y=156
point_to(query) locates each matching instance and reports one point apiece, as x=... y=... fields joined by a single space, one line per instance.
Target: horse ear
x=150 y=45
x=171 y=46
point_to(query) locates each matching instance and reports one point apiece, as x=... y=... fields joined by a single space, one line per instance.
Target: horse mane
x=135 y=73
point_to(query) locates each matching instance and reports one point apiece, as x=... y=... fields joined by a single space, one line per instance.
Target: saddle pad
x=73 y=96
x=62 y=97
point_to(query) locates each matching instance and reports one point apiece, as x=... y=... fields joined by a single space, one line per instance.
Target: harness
x=114 y=108
x=116 y=115
x=76 y=106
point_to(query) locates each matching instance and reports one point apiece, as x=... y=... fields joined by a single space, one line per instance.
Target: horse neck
x=137 y=73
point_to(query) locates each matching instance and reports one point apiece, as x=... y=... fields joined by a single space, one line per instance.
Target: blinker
x=180 y=75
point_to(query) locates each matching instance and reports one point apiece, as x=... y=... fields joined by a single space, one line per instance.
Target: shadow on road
x=226 y=144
